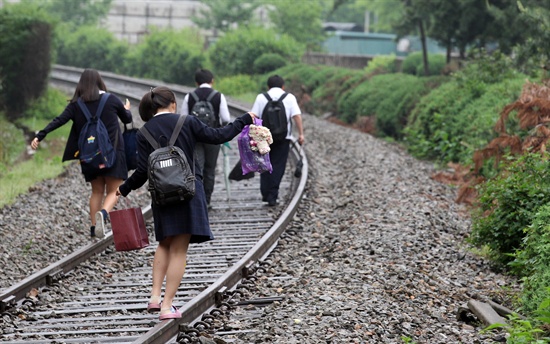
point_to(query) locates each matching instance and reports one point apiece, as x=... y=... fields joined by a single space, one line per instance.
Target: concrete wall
x=131 y=20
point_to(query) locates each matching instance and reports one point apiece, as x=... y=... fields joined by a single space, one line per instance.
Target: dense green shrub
x=533 y=261
x=91 y=47
x=53 y=101
x=168 y=55
x=268 y=62
x=382 y=64
x=25 y=39
x=442 y=127
x=324 y=98
x=236 y=51
x=413 y=64
x=236 y=85
x=387 y=97
x=508 y=203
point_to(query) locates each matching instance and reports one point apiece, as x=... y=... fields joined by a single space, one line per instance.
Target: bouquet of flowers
x=260 y=139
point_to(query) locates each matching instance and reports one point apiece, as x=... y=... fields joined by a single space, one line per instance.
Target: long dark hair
x=158 y=98
x=88 y=86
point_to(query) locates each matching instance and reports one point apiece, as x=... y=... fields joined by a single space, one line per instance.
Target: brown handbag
x=129 y=231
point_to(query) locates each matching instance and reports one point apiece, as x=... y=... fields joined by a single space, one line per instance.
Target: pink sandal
x=153 y=307
x=174 y=314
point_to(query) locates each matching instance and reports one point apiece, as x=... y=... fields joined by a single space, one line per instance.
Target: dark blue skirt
x=188 y=217
x=119 y=170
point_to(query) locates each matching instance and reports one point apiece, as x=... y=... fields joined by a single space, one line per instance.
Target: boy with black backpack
x=210 y=107
x=277 y=109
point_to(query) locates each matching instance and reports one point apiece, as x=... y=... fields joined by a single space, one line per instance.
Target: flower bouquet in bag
x=254 y=149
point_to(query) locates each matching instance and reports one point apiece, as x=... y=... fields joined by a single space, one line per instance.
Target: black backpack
x=95 y=150
x=274 y=117
x=204 y=110
x=171 y=179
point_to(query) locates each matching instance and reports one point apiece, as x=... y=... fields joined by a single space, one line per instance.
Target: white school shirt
x=224 y=110
x=291 y=106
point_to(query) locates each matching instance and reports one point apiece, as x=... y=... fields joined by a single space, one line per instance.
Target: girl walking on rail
x=176 y=225
x=91 y=89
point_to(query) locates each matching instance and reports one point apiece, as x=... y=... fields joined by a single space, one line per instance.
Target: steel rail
x=198 y=305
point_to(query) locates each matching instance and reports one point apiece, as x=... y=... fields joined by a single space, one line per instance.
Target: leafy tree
x=537 y=46
x=25 y=38
x=169 y=55
x=222 y=15
x=301 y=20
x=91 y=47
x=236 y=52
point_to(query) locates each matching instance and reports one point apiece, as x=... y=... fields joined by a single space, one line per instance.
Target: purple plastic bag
x=252 y=161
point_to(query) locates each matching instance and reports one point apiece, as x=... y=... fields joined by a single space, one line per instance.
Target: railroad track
x=56 y=306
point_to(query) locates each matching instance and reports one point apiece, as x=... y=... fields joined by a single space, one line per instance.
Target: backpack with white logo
x=274 y=117
x=204 y=110
x=95 y=150
x=171 y=179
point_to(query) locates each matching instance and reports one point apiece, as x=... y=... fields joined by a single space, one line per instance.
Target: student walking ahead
x=207 y=154
x=176 y=225
x=104 y=182
x=270 y=182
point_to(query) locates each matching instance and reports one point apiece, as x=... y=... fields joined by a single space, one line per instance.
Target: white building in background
x=130 y=19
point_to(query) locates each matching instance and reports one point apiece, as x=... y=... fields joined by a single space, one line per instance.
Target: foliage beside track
x=25 y=39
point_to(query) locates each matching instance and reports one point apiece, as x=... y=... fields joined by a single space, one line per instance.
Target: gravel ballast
x=375 y=254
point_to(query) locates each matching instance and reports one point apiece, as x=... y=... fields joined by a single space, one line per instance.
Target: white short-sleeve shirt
x=291 y=106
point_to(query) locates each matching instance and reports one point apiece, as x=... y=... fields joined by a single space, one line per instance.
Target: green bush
x=236 y=85
x=50 y=104
x=25 y=46
x=442 y=127
x=413 y=64
x=382 y=64
x=236 y=51
x=168 y=55
x=268 y=62
x=533 y=260
x=91 y=47
x=508 y=203
x=324 y=98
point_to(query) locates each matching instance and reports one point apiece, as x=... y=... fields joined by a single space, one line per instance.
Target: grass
x=18 y=174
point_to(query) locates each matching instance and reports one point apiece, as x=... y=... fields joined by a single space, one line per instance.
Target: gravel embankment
x=378 y=254
x=376 y=251
x=44 y=225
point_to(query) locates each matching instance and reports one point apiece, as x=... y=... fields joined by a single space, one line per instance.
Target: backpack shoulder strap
x=177 y=130
x=282 y=97
x=101 y=104
x=149 y=137
x=175 y=134
x=84 y=109
x=267 y=96
x=195 y=96
x=211 y=95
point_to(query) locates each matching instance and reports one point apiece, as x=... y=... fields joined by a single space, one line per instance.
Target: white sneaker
x=100 y=225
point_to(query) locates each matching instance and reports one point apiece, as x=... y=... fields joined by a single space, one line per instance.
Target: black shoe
x=272 y=203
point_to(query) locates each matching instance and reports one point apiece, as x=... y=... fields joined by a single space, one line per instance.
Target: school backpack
x=274 y=117
x=130 y=147
x=171 y=179
x=204 y=110
x=95 y=150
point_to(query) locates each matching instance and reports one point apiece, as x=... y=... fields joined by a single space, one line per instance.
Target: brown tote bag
x=129 y=231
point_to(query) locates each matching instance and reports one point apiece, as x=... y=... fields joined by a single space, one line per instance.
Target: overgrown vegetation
x=25 y=39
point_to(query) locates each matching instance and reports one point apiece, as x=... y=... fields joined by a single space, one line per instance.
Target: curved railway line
x=100 y=312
